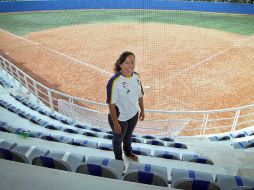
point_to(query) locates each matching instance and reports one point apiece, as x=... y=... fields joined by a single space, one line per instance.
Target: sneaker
x=132 y=157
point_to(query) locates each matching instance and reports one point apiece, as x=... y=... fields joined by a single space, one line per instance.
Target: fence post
x=13 y=78
x=36 y=92
x=5 y=67
x=17 y=72
x=50 y=100
x=237 y=113
x=204 y=123
x=26 y=84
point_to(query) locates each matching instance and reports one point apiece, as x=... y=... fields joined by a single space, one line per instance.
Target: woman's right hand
x=117 y=128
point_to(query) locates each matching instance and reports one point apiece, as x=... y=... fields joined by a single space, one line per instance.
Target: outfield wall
x=21 y=6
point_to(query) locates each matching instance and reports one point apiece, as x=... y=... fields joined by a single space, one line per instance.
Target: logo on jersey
x=125 y=86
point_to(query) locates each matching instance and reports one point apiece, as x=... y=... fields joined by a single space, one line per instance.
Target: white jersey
x=125 y=92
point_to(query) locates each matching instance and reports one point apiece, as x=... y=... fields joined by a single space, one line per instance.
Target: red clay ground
x=186 y=68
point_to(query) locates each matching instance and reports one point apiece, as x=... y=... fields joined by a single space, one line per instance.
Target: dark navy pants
x=127 y=128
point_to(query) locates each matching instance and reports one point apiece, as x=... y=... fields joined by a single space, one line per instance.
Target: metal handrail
x=96 y=112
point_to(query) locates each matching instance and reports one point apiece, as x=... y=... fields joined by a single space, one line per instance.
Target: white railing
x=157 y=122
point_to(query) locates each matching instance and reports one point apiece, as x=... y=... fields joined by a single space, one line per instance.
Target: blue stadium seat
x=30 y=152
x=197 y=158
x=108 y=136
x=177 y=145
x=60 y=160
x=85 y=143
x=219 y=138
x=240 y=145
x=147 y=174
x=4 y=127
x=148 y=137
x=81 y=126
x=105 y=146
x=90 y=134
x=167 y=155
x=73 y=131
x=192 y=180
x=103 y=167
x=49 y=162
x=49 y=138
x=62 y=138
x=137 y=140
x=166 y=139
x=141 y=151
x=234 y=182
x=155 y=142
x=53 y=127
x=237 y=135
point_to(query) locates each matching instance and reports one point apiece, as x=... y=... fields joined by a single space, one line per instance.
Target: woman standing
x=125 y=99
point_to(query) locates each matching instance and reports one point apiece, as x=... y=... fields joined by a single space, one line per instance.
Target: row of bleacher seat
x=94 y=131
x=111 y=168
x=174 y=155
x=4 y=83
x=243 y=144
x=91 y=131
x=231 y=136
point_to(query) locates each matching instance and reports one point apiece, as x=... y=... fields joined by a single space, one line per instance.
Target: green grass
x=23 y=23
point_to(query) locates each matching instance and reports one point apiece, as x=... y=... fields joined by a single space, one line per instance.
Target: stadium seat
x=81 y=126
x=85 y=143
x=105 y=146
x=137 y=140
x=90 y=134
x=141 y=151
x=73 y=131
x=104 y=167
x=197 y=158
x=62 y=138
x=30 y=152
x=240 y=145
x=234 y=182
x=166 y=139
x=155 y=142
x=250 y=145
x=220 y=138
x=237 y=135
x=6 y=152
x=49 y=162
x=53 y=127
x=192 y=180
x=4 y=127
x=147 y=174
x=148 y=137
x=177 y=145
x=167 y=155
x=49 y=138
x=108 y=136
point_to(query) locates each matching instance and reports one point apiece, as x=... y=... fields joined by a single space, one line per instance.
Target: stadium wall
x=218 y=7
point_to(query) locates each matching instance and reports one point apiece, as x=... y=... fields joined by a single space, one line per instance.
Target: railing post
x=36 y=92
x=72 y=108
x=26 y=84
x=13 y=78
x=237 y=113
x=1 y=61
x=17 y=72
x=5 y=67
x=50 y=100
x=204 y=123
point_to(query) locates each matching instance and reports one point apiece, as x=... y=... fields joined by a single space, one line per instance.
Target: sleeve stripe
x=110 y=88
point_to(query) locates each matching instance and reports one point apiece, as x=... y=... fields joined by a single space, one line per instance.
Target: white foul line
x=61 y=54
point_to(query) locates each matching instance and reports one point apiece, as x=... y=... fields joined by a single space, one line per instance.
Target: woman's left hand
x=142 y=115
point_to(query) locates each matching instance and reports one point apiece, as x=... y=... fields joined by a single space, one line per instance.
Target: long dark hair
x=121 y=59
